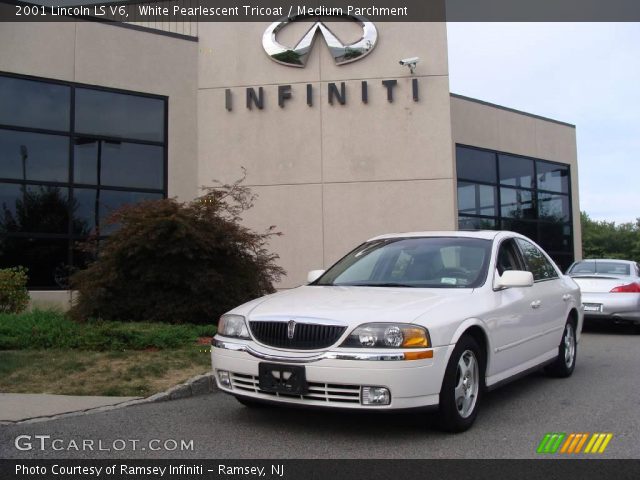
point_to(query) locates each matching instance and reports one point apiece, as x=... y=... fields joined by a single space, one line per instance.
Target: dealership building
x=341 y=142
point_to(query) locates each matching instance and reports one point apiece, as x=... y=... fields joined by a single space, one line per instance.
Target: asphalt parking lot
x=603 y=395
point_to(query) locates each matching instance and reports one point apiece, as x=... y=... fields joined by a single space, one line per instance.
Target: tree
x=178 y=262
x=602 y=239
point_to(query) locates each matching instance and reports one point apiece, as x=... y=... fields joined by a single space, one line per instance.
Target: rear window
x=610 y=268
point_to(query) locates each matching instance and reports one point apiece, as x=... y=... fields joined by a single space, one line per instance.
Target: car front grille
x=319 y=392
x=306 y=336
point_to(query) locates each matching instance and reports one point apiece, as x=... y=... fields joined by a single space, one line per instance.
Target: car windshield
x=591 y=267
x=422 y=262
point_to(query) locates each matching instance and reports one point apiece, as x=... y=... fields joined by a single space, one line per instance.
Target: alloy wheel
x=569 y=345
x=467 y=383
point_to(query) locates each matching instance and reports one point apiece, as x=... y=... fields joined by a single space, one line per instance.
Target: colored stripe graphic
x=543 y=443
x=574 y=443
x=581 y=443
x=551 y=442
x=568 y=442
x=598 y=443
x=556 y=442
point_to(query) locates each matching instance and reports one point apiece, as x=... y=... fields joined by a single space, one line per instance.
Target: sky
x=587 y=74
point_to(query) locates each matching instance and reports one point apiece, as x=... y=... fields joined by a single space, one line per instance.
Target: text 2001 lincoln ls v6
x=405 y=321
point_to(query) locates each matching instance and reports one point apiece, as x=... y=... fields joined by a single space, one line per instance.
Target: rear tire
x=462 y=386
x=564 y=364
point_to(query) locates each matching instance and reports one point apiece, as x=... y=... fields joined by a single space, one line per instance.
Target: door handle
x=566 y=297
x=536 y=304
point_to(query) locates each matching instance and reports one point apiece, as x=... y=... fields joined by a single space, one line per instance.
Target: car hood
x=353 y=305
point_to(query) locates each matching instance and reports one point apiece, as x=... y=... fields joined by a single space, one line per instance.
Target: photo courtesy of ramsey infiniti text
x=405 y=321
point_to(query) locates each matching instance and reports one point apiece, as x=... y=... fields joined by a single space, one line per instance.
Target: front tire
x=462 y=386
x=564 y=364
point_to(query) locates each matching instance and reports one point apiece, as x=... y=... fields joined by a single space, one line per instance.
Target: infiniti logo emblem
x=291 y=329
x=297 y=56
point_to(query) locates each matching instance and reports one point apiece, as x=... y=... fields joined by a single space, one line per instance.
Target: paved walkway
x=21 y=406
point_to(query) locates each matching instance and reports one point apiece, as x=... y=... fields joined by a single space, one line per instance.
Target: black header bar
x=181 y=469
x=274 y=10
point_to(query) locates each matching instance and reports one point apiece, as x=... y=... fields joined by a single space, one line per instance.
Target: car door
x=513 y=322
x=549 y=302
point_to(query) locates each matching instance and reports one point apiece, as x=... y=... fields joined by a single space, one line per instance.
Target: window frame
x=510 y=242
x=536 y=222
x=32 y=78
x=556 y=269
x=72 y=136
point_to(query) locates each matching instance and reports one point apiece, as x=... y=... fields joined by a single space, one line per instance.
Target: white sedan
x=610 y=289
x=404 y=321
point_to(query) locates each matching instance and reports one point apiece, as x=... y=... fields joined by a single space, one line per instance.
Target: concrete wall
x=50 y=299
x=489 y=126
x=112 y=56
x=329 y=176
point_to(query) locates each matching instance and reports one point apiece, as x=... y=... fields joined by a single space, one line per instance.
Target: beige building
x=345 y=148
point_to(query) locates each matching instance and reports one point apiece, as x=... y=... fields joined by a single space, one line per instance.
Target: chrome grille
x=307 y=336
x=320 y=392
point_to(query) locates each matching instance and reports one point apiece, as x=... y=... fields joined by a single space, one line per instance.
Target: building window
x=69 y=156
x=498 y=190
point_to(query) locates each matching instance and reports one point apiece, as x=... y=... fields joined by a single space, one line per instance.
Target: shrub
x=14 y=296
x=178 y=262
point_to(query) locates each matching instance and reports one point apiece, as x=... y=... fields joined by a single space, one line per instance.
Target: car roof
x=483 y=234
x=612 y=260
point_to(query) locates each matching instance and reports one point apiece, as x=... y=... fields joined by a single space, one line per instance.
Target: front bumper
x=615 y=306
x=335 y=377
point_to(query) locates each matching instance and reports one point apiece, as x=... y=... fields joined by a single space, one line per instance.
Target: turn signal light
x=629 y=288
x=414 y=337
x=418 y=355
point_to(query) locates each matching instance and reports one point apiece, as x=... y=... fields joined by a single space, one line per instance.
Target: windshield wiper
x=386 y=284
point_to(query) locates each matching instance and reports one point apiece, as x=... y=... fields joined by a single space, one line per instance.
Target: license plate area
x=592 y=307
x=278 y=378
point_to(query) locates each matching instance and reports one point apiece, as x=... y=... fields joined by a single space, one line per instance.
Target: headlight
x=233 y=326
x=388 y=335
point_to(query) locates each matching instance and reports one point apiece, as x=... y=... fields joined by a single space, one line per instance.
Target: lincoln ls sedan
x=405 y=321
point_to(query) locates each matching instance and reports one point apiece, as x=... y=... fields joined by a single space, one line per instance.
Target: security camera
x=410 y=62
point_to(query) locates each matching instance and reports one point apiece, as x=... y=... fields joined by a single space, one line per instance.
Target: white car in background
x=411 y=320
x=610 y=289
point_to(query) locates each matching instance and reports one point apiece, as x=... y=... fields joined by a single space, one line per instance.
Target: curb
x=198 y=385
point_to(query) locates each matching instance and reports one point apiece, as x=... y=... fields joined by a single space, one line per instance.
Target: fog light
x=375 y=396
x=224 y=378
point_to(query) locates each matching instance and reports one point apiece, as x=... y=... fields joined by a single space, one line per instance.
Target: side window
x=507 y=257
x=537 y=263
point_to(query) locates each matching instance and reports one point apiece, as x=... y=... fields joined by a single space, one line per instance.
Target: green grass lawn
x=45 y=352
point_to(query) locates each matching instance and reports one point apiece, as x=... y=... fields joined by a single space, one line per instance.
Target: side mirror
x=313 y=275
x=514 y=278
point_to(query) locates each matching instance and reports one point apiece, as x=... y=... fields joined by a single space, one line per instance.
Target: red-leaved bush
x=177 y=262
